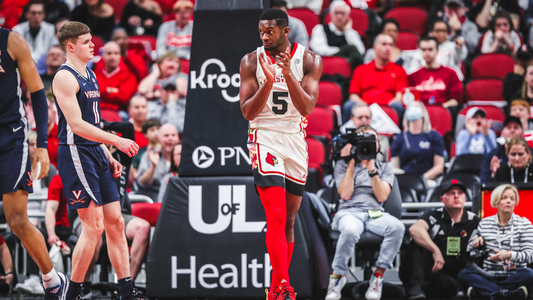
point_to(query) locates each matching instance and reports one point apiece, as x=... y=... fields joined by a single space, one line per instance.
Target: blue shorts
x=86 y=176
x=15 y=165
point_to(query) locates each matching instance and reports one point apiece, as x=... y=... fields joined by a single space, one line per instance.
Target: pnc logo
x=203 y=157
x=222 y=81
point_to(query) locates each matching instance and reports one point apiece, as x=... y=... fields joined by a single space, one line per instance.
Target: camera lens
x=365 y=150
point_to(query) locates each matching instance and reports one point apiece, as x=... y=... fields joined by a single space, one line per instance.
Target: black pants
x=415 y=269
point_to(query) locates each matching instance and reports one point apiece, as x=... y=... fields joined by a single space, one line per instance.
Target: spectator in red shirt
x=138 y=110
x=135 y=58
x=436 y=80
x=56 y=216
x=117 y=83
x=10 y=11
x=380 y=81
x=53 y=140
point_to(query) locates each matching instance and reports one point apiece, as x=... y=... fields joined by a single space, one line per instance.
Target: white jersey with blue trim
x=279 y=113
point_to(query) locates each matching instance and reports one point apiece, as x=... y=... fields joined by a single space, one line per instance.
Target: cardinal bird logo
x=271 y=159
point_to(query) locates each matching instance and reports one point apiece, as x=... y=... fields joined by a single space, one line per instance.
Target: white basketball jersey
x=279 y=113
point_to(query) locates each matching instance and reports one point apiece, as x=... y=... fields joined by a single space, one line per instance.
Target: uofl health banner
x=215 y=132
x=210 y=243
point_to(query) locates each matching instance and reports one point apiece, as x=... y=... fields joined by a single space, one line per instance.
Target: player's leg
x=138 y=232
x=293 y=205
x=92 y=223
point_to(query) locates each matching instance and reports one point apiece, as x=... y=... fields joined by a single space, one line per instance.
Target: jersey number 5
x=282 y=105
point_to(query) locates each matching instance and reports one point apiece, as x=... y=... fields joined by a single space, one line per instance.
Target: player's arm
x=20 y=52
x=253 y=98
x=65 y=87
x=303 y=96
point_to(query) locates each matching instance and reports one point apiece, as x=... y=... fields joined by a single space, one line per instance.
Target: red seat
x=492 y=65
x=98 y=43
x=407 y=40
x=184 y=65
x=440 y=118
x=110 y=115
x=152 y=41
x=330 y=97
x=307 y=16
x=317 y=153
x=320 y=123
x=146 y=211
x=409 y=18
x=332 y=65
x=452 y=150
x=484 y=89
x=118 y=7
x=391 y=113
x=360 y=21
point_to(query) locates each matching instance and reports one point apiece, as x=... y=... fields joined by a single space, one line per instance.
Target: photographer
x=437 y=251
x=477 y=138
x=509 y=248
x=363 y=187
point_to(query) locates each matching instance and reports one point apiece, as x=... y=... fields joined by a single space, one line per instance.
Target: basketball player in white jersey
x=279 y=88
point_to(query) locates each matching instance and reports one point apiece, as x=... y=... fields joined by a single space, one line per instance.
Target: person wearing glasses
x=519 y=168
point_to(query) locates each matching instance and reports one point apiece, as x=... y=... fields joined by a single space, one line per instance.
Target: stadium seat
x=307 y=16
x=333 y=65
x=118 y=7
x=98 y=43
x=110 y=115
x=492 y=65
x=360 y=23
x=409 y=18
x=466 y=163
x=146 y=211
x=152 y=41
x=440 y=118
x=320 y=123
x=184 y=65
x=484 y=89
x=330 y=97
x=317 y=156
x=414 y=182
x=407 y=41
x=391 y=113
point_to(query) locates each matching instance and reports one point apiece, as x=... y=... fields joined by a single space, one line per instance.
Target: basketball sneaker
x=287 y=293
x=375 y=288
x=336 y=283
x=58 y=292
x=273 y=295
x=135 y=295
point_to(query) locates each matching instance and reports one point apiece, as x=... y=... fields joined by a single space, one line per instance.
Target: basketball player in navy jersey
x=85 y=165
x=15 y=168
x=279 y=88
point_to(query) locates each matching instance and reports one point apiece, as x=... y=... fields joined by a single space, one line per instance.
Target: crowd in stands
x=417 y=64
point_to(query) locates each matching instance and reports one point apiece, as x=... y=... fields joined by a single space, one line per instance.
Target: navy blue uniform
x=82 y=164
x=15 y=166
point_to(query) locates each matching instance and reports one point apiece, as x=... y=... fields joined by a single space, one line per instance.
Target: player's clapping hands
x=283 y=60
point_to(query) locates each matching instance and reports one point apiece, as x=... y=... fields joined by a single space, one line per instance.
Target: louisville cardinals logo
x=464 y=233
x=271 y=159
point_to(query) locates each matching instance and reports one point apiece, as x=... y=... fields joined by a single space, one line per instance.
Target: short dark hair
x=278 y=3
x=70 y=32
x=387 y=21
x=501 y=14
x=281 y=18
x=435 y=21
x=149 y=124
x=27 y=7
x=427 y=39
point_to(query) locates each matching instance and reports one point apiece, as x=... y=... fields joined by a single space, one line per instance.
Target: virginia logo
x=271 y=159
x=77 y=196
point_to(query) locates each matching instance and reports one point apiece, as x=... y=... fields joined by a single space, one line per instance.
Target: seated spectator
x=512 y=127
x=11 y=11
x=298 y=32
x=521 y=109
x=451 y=52
x=512 y=83
x=486 y=10
x=53 y=119
x=166 y=69
x=517 y=170
x=133 y=58
x=477 y=138
x=389 y=27
x=380 y=81
x=155 y=163
x=362 y=115
x=363 y=187
x=117 y=83
x=338 y=38
x=141 y=17
x=173 y=172
x=54 y=10
x=418 y=149
x=526 y=92
x=150 y=130
x=39 y=186
x=508 y=256
x=168 y=108
x=176 y=36
x=314 y=5
x=54 y=59
x=98 y=15
x=138 y=110
x=56 y=217
x=429 y=268
x=501 y=38
x=459 y=23
x=39 y=35
x=434 y=79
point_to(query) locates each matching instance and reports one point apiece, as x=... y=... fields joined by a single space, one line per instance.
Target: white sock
x=51 y=279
